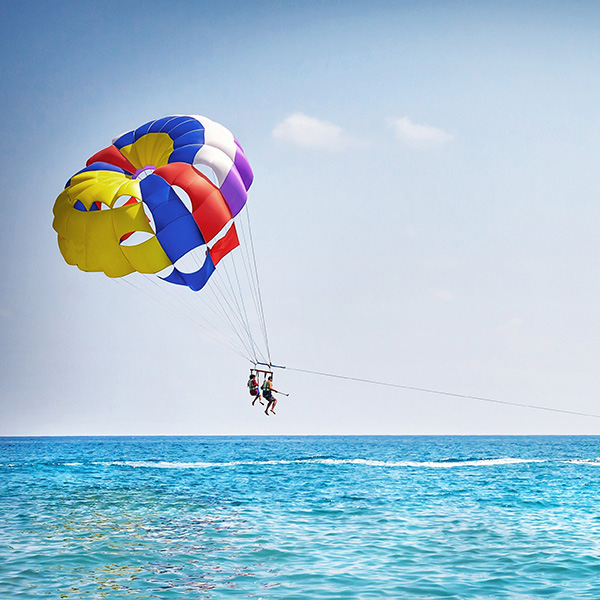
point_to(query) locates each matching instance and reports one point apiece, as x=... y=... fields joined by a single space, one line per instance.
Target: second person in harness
x=267 y=392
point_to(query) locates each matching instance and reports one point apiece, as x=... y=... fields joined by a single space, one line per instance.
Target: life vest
x=253 y=385
x=265 y=386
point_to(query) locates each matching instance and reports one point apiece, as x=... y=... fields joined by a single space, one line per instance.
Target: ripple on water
x=271 y=518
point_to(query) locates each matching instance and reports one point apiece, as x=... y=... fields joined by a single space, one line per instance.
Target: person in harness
x=254 y=389
x=267 y=390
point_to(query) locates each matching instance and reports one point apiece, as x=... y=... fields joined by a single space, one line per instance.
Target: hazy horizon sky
x=425 y=210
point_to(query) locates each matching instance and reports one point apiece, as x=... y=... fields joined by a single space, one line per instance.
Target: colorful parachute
x=143 y=204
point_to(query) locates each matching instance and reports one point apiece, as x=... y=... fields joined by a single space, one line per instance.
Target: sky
x=425 y=213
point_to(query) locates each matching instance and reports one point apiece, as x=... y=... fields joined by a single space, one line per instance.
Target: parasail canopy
x=144 y=203
x=165 y=199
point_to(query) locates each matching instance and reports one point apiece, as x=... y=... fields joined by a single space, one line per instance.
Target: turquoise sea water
x=300 y=517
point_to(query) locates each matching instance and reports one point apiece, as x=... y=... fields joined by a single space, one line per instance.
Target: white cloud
x=422 y=136
x=302 y=130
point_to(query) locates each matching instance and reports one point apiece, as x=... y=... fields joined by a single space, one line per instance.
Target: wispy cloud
x=302 y=130
x=420 y=136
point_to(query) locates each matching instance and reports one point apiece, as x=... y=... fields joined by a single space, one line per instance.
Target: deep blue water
x=466 y=518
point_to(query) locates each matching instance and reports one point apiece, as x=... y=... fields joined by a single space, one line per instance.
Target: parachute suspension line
x=219 y=291
x=239 y=287
x=260 y=302
x=172 y=294
x=229 y=295
x=249 y=273
x=254 y=270
x=239 y=302
x=252 y=275
x=217 y=337
x=224 y=315
x=250 y=278
x=226 y=303
x=228 y=313
x=225 y=299
x=443 y=393
x=213 y=332
x=220 y=297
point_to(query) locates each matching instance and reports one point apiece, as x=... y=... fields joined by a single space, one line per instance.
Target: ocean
x=311 y=518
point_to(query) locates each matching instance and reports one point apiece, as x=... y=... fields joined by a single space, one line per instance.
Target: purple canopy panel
x=234 y=191
x=243 y=166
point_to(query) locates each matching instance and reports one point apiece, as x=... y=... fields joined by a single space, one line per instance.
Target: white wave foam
x=443 y=464
x=148 y=464
x=583 y=461
x=486 y=462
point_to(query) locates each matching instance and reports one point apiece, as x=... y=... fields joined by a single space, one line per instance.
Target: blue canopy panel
x=188 y=138
x=195 y=136
x=176 y=228
x=175 y=127
x=157 y=126
x=125 y=140
x=180 y=237
x=142 y=131
x=184 y=128
x=164 y=204
x=195 y=281
x=186 y=154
